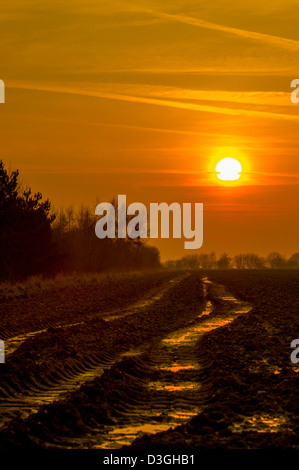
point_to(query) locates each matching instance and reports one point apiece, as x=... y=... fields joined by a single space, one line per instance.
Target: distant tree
x=207 y=260
x=239 y=262
x=25 y=229
x=293 y=261
x=70 y=217
x=190 y=261
x=170 y=264
x=249 y=261
x=260 y=262
x=180 y=263
x=82 y=251
x=276 y=260
x=254 y=261
x=224 y=262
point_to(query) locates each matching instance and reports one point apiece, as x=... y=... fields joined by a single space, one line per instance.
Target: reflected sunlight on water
x=177 y=367
x=178 y=387
x=174 y=396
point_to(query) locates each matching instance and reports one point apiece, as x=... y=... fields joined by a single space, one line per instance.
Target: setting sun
x=228 y=169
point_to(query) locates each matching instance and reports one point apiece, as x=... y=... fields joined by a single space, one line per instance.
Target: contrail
x=156 y=102
x=290 y=44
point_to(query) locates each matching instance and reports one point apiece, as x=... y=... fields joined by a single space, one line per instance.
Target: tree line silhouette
x=81 y=251
x=35 y=241
x=242 y=261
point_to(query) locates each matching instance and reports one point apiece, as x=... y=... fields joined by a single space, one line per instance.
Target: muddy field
x=175 y=360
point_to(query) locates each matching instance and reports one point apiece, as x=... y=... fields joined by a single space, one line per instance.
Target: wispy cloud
x=227 y=70
x=155 y=102
x=269 y=39
x=273 y=98
x=163 y=130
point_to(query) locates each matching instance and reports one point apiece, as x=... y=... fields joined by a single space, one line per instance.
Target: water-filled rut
x=151 y=388
x=164 y=380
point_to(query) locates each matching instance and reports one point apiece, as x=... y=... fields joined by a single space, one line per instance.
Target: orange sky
x=142 y=98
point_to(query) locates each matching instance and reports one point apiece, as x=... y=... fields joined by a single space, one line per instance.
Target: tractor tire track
x=151 y=388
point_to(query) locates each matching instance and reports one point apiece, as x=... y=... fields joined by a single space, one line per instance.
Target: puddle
x=176 y=398
x=179 y=387
x=125 y=435
x=177 y=367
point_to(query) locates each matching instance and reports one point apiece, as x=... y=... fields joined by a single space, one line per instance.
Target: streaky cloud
x=285 y=43
x=155 y=102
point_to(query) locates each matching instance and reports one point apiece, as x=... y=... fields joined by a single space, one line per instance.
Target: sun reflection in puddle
x=120 y=436
x=125 y=435
x=208 y=309
x=229 y=298
x=184 y=415
x=191 y=334
x=176 y=397
x=178 y=387
x=177 y=367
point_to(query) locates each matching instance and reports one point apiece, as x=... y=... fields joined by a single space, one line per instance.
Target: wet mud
x=170 y=370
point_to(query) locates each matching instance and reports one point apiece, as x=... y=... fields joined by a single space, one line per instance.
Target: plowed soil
x=167 y=359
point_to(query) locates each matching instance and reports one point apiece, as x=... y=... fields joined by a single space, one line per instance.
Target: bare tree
x=293 y=261
x=276 y=260
x=224 y=262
